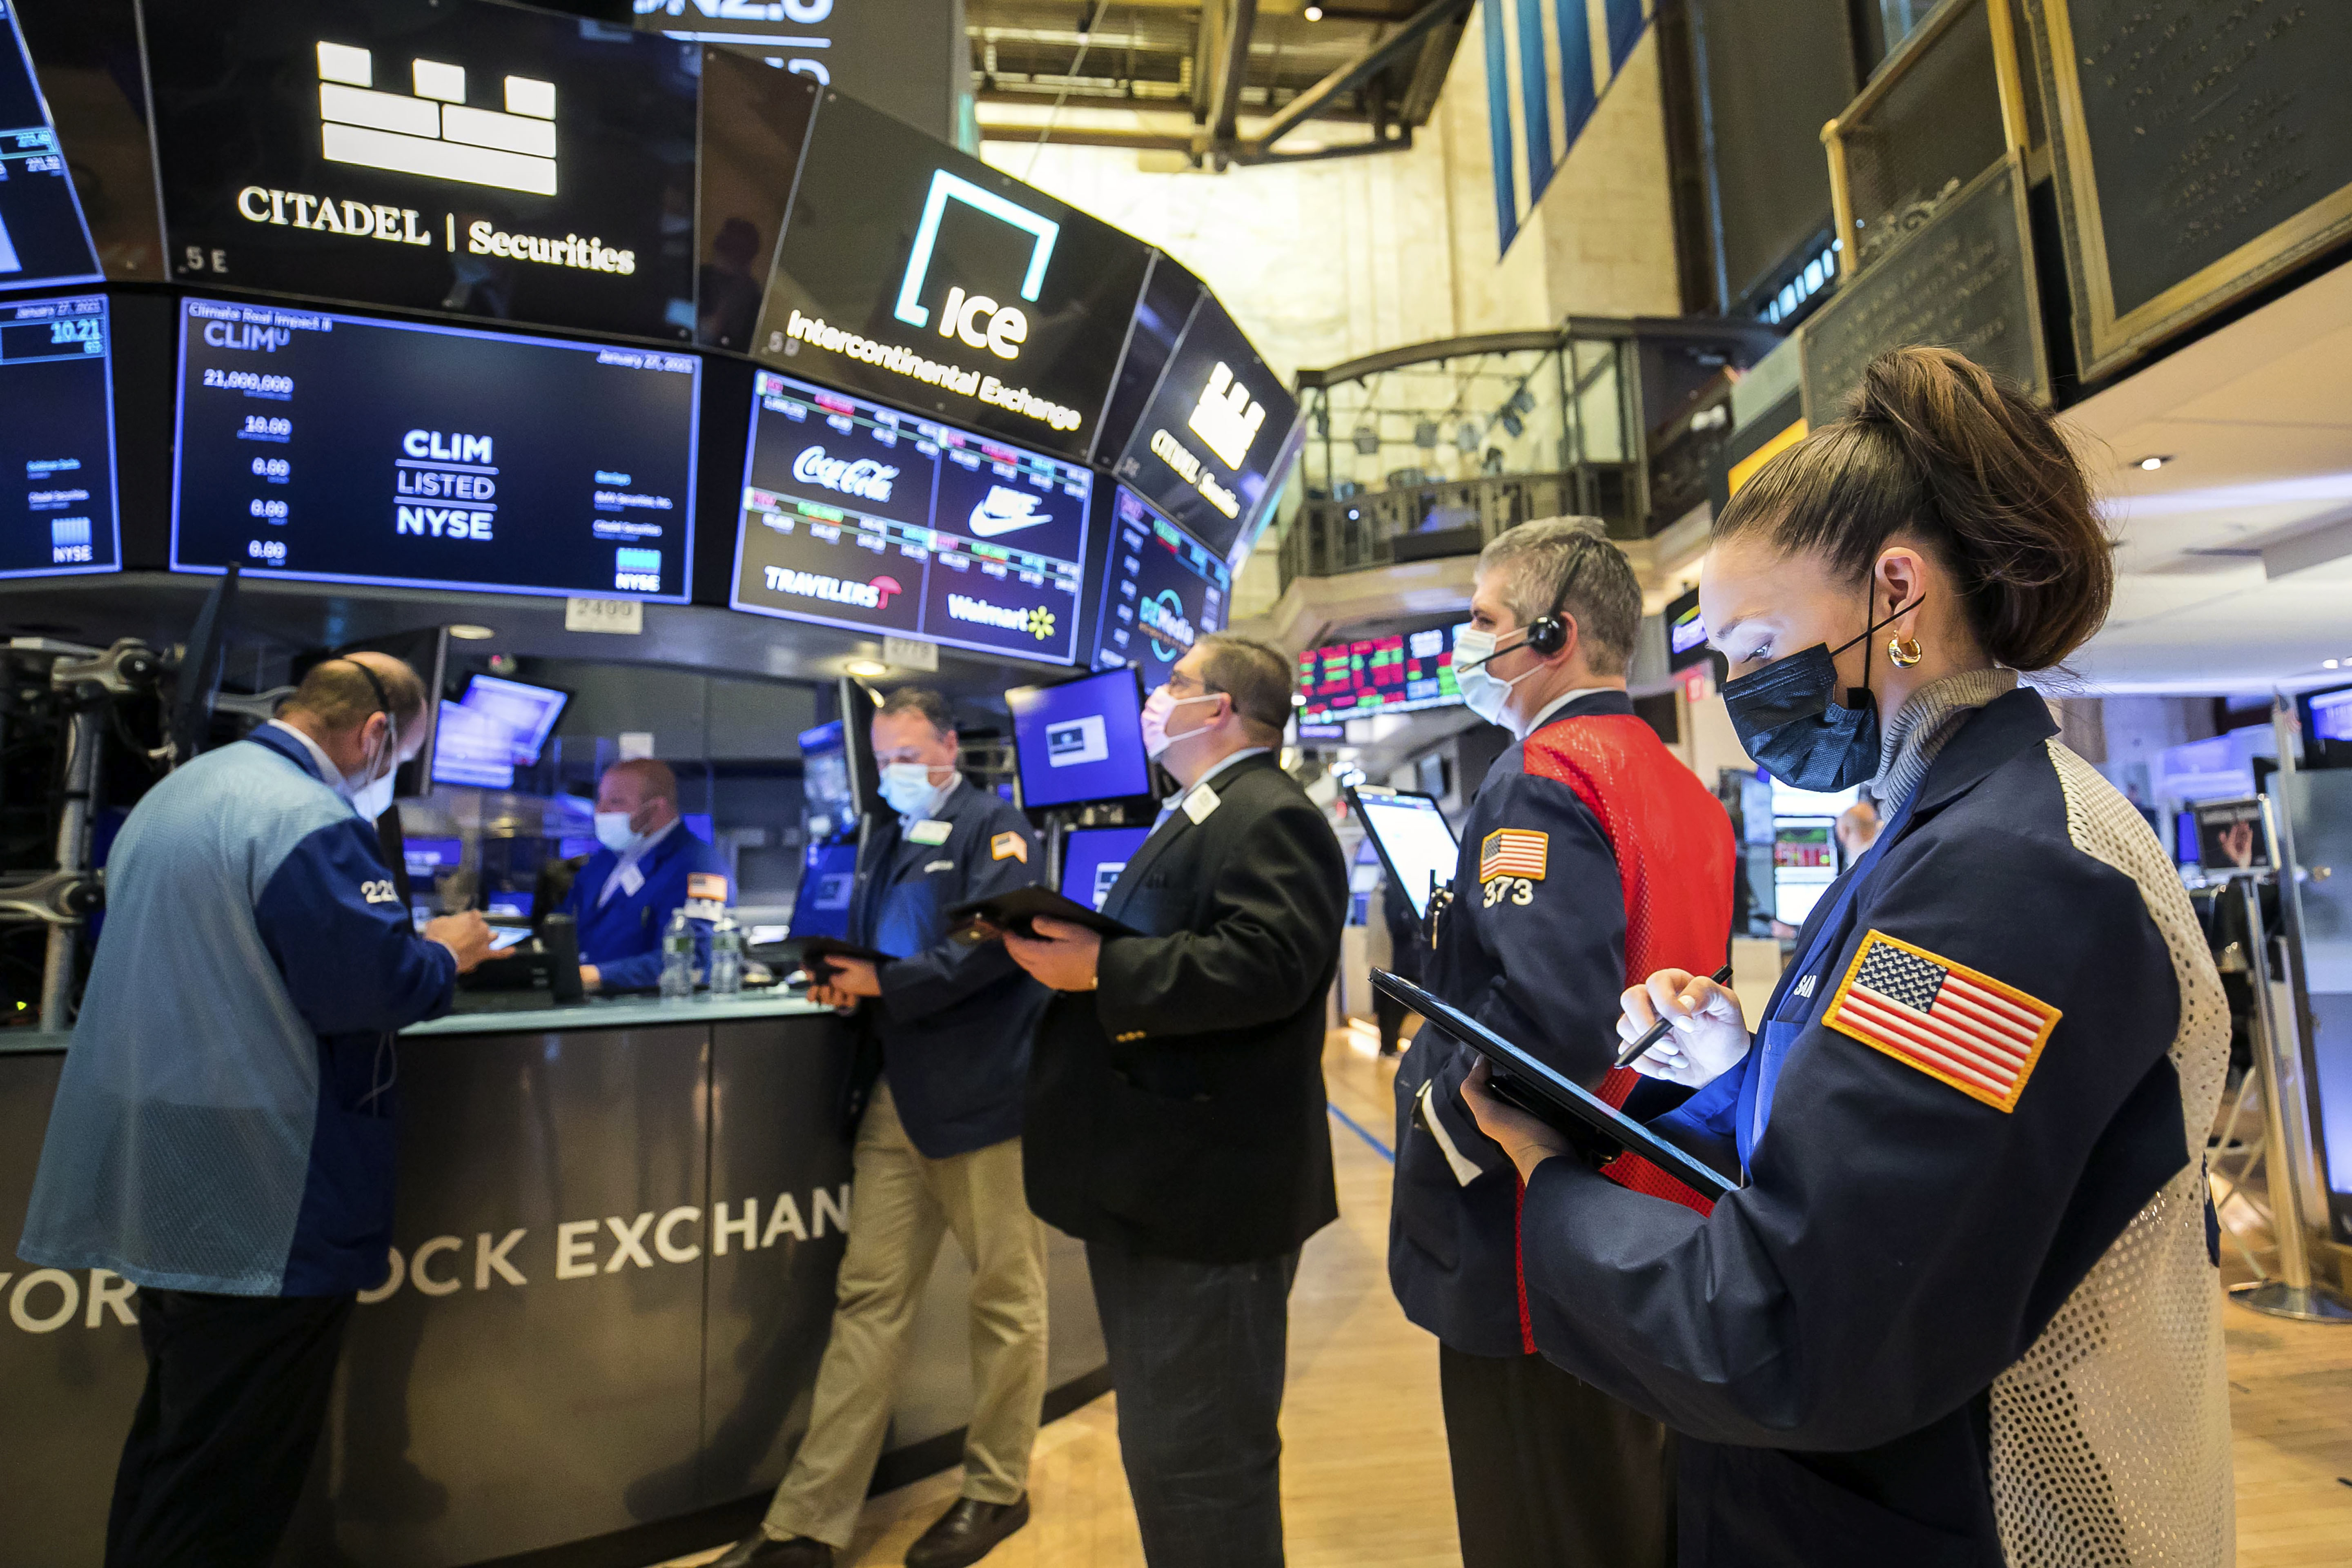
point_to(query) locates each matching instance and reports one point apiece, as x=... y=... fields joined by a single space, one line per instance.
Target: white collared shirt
x=328 y=775
x=631 y=855
x=1562 y=700
x=1168 y=806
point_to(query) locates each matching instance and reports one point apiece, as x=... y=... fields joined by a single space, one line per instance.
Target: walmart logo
x=1038 y=621
x=436 y=134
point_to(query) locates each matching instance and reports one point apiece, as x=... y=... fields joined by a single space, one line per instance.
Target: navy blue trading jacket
x=225 y=1120
x=1932 y=1325
x=622 y=936
x=954 y=1021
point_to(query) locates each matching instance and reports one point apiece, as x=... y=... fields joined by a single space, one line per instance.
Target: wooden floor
x=1364 y=1474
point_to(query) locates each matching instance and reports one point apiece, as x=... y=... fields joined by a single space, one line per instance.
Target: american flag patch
x=709 y=885
x=1009 y=846
x=1512 y=852
x=1969 y=1029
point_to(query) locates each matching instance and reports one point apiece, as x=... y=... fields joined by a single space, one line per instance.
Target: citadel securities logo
x=871 y=594
x=1163 y=619
x=861 y=476
x=1037 y=622
x=1008 y=327
x=435 y=133
x=1228 y=418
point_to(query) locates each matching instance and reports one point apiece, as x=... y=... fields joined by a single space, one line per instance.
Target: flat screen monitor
x=1393 y=673
x=2184 y=838
x=56 y=436
x=482 y=159
x=43 y=238
x=828 y=882
x=911 y=272
x=1162 y=589
x=1685 y=632
x=2329 y=714
x=1804 y=864
x=855 y=515
x=1081 y=740
x=1213 y=445
x=529 y=713
x=1414 y=840
x=473 y=748
x=1092 y=858
x=348 y=449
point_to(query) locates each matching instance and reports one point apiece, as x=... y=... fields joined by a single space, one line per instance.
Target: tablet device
x=812 y=951
x=505 y=937
x=984 y=920
x=1414 y=840
x=1551 y=1097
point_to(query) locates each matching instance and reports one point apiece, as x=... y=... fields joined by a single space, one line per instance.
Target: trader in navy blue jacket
x=650 y=865
x=223 y=1132
x=939 y=1151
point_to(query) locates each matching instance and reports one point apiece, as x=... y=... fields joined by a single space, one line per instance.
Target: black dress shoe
x=760 y=1548
x=967 y=1532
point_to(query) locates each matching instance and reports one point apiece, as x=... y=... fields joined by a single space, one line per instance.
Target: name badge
x=1200 y=803
x=632 y=879
x=931 y=830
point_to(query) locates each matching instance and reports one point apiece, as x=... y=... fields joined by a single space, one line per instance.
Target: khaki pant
x=902 y=1205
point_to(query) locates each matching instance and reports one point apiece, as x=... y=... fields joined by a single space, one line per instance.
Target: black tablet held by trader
x=815 y=953
x=983 y=919
x=1550 y=1097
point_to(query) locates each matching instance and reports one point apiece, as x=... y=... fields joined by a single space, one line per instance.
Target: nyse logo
x=435 y=133
x=863 y=476
x=1226 y=417
x=1005 y=328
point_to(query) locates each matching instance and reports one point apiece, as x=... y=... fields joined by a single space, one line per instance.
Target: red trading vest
x=1675 y=853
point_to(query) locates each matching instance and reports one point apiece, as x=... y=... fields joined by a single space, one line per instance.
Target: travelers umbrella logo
x=874 y=594
x=436 y=134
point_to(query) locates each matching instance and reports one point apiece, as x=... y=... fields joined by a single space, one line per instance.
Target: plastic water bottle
x=726 y=956
x=678 y=958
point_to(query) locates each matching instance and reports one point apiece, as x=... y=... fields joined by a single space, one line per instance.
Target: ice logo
x=1005 y=511
x=1227 y=418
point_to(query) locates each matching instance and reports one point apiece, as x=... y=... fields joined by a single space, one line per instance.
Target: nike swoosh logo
x=990 y=527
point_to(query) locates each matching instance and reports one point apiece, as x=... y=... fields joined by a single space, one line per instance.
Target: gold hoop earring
x=1905 y=652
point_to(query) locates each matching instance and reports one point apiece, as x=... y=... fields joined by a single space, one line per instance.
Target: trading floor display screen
x=1092 y=858
x=342 y=448
x=1391 y=674
x=1215 y=439
x=1080 y=741
x=855 y=515
x=57 y=439
x=42 y=236
x=1161 y=592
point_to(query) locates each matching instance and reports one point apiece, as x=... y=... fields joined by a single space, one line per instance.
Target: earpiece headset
x=1548 y=633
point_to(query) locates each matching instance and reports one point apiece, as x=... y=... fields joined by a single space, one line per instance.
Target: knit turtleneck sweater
x=1926 y=720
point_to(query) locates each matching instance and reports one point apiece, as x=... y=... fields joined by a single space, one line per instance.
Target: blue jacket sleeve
x=1552 y=947
x=1900 y=1242
x=945 y=973
x=664 y=893
x=334 y=923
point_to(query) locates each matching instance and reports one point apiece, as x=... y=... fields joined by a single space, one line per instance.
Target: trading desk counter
x=611 y=1279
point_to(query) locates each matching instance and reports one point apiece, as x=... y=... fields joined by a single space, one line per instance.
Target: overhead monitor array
x=57 y=442
x=1161 y=592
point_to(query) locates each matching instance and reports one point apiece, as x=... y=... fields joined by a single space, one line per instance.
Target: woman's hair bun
x=1935 y=444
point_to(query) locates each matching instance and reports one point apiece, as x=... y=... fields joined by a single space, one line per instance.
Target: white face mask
x=1156 y=710
x=371 y=797
x=1484 y=694
x=613 y=831
x=908 y=787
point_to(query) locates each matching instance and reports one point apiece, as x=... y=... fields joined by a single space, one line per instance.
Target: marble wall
x=1323 y=262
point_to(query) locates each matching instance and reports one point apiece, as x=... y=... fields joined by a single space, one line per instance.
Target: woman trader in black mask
x=1964 y=1310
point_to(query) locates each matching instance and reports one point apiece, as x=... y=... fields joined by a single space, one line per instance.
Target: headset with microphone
x=1548 y=633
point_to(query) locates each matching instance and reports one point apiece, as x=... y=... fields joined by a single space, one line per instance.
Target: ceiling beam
x=1238 y=21
x=1349 y=78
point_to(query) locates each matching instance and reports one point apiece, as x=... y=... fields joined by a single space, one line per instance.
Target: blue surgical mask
x=908 y=787
x=1790 y=723
x=613 y=831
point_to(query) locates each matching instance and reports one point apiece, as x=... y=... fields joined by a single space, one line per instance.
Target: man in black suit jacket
x=1175 y=1122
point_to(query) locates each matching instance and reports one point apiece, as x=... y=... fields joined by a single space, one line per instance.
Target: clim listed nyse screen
x=351 y=449
x=857 y=516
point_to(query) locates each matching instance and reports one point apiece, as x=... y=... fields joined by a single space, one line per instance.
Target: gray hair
x=1567 y=563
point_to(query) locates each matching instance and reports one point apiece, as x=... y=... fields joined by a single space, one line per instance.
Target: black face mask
x=1791 y=724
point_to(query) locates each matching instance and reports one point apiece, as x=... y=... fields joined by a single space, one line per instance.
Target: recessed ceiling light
x=466 y=633
x=2330 y=663
x=1313 y=12
x=867 y=666
x=2154 y=461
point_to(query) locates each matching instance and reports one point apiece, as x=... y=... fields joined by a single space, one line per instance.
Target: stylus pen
x=1658 y=1031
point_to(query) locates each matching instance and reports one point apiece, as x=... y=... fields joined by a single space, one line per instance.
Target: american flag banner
x=1512 y=852
x=1951 y=1022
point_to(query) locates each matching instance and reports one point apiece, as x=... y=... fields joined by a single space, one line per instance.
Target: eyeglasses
x=1186 y=686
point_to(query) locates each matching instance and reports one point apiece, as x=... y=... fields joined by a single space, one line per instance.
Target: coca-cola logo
x=861 y=476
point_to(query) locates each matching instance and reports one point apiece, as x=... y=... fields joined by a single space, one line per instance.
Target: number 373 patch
x=1510 y=863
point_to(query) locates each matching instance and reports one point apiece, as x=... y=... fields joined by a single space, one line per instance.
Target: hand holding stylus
x=1683 y=1027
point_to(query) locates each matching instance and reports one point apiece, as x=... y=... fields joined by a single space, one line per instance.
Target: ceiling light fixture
x=2152 y=462
x=1313 y=12
x=466 y=633
x=2330 y=663
x=866 y=668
